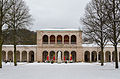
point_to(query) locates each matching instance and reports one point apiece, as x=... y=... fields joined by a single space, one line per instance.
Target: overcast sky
x=61 y=14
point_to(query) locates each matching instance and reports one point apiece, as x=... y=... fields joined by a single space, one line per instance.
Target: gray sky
x=49 y=14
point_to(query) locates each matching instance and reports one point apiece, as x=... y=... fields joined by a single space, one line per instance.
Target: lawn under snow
x=59 y=71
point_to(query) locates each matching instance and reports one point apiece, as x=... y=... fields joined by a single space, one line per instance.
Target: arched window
x=24 y=56
x=45 y=39
x=45 y=54
x=73 y=53
x=59 y=39
x=10 y=56
x=73 y=39
x=108 y=56
x=31 y=56
x=66 y=39
x=3 y=56
x=52 y=54
x=52 y=39
x=87 y=56
x=66 y=55
x=18 y=56
x=94 y=56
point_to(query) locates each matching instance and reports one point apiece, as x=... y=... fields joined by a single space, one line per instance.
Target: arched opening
x=31 y=56
x=57 y=55
x=18 y=56
x=52 y=54
x=52 y=39
x=10 y=56
x=87 y=56
x=45 y=54
x=59 y=39
x=108 y=56
x=45 y=39
x=24 y=56
x=73 y=53
x=99 y=56
x=66 y=55
x=3 y=56
x=73 y=39
x=66 y=39
x=94 y=56
x=113 y=56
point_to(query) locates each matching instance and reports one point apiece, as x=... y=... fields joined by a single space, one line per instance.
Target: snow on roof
x=60 y=30
x=20 y=45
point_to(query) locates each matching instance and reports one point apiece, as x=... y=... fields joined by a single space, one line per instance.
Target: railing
x=73 y=42
x=45 y=42
x=59 y=43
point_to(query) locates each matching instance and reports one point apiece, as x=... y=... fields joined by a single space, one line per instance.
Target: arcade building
x=67 y=41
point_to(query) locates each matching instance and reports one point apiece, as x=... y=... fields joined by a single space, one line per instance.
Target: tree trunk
x=102 y=56
x=116 y=57
x=14 y=39
x=0 y=46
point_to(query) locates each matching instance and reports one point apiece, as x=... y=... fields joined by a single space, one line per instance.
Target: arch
x=31 y=56
x=73 y=53
x=45 y=39
x=24 y=56
x=17 y=56
x=59 y=39
x=3 y=55
x=99 y=56
x=108 y=56
x=87 y=56
x=66 y=55
x=52 y=39
x=73 y=39
x=52 y=53
x=44 y=57
x=94 y=56
x=113 y=56
x=57 y=55
x=10 y=56
x=66 y=39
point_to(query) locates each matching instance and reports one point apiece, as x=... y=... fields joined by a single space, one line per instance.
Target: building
x=51 y=41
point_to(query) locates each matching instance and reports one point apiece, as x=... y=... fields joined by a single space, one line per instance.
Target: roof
x=60 y=30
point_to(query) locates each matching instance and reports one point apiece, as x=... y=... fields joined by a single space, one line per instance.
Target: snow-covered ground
x=59 y=71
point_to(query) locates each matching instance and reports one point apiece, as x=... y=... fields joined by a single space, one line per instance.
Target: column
x=48 y=39
x=13 y=55
x=62 y=39
x=111 y=56
x=20 y=56
x=27 y=56
x=35 y=56
x=55 y=39
x=69 y=55
x=104 y=57
x=90 y=57
x=49 y=54
x=7 y=55
x=97 y=57
x=63 y=55
x=69 y=39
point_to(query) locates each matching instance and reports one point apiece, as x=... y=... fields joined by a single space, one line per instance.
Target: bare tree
x=5 y=5
x=94 y=26
x=19 y=18
x=112 y=11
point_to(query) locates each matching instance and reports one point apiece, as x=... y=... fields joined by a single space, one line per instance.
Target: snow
x=59 y=30
x=59 y=71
